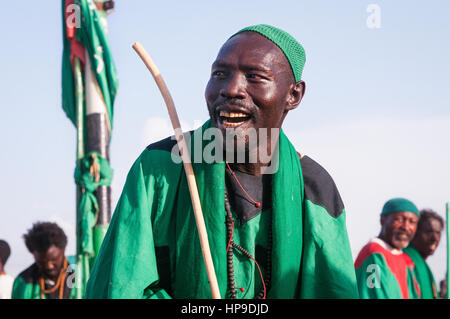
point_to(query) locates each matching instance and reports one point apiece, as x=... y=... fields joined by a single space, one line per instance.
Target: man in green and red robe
x=276 y=227
x=383 y=270
x=422 y=246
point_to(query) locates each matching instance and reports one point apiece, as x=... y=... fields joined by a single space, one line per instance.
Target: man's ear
x=296 y=93
x=382 y=222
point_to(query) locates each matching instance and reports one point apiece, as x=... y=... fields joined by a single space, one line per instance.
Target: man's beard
x=401 y=243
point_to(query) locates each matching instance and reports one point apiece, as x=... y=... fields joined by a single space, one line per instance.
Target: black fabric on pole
x=97 y=139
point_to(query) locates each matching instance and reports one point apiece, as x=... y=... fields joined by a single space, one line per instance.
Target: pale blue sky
x=376 y=113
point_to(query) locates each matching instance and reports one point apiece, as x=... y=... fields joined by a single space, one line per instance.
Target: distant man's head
x=255 y=80
x=428 y=233
x=5 y=251
x=398 y=220
x=47 y=242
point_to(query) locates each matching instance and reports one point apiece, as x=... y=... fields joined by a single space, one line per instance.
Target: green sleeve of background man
x=328 y=270
x=126 y=266
x=23 y=290
x=375 y=280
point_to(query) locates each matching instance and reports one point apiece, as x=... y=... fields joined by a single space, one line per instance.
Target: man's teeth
x=232 y=114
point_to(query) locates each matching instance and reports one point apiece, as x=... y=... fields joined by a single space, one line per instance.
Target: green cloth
x=293 y=50
x=23 y=290
x=92 y=35
x=399 y=205
x=424 y=274
x=88 y=207
x=311 y=255
x=384 y=275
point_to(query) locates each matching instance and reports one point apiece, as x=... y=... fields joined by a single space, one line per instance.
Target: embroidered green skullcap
x=293 y=50
x=399 y=205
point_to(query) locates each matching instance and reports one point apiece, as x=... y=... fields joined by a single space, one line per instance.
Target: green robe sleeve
x=328 y=270
x=126 y=266
x=23 y=290
x=25 y=285
x=375 y=280
x=18 y=288
x=327 y=263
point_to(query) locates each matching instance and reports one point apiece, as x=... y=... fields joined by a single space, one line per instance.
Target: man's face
x=50 y=262
x=427 y=237
x=398 y=228
x=249 y=85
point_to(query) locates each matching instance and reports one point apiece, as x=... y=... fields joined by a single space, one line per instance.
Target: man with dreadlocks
x=423 y=245
x=49 y=277
x=276 y=227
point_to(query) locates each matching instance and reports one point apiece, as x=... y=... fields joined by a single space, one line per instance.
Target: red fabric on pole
x=76 y=48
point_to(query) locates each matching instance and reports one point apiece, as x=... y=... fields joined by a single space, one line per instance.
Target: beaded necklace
x=231 y=244
x=59 y=283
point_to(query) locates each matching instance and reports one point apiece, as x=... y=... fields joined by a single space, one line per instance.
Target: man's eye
x=218 y=73
x=253 y=76
x=257 y=78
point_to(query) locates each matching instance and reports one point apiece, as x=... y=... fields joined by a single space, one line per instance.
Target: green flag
x=89 y=86
x=84 y=33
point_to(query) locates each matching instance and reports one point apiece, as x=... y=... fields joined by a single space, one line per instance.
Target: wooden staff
x=184 y=151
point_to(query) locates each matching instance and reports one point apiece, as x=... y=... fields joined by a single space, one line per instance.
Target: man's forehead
x=52 y=251
x=432 y=223
x=260 y=65
x=406 y=214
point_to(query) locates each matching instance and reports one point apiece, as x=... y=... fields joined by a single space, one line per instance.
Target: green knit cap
x=399 y=205
x=293 y=50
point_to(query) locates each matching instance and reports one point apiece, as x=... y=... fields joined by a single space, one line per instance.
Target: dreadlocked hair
x=43 y=235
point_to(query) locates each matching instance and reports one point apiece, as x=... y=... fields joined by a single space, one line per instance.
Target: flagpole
x=98 y=137
x=89 y=86
x=79 y=106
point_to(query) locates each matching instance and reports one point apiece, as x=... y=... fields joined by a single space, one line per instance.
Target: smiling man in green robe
x=276 y=227
x=422 y=246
